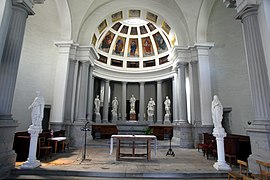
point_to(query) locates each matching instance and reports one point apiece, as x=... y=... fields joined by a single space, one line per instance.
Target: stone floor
x=99 y=164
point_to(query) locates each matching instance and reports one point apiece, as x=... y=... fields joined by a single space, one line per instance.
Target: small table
x=133 y=138
x=56 y=140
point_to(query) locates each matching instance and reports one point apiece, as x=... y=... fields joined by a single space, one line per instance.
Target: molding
x=25 y=4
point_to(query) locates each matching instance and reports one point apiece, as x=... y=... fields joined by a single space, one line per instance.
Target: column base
x=182 y=136
x=30 y=164
x=77 y=135
x=222 y=166
x=7 y=155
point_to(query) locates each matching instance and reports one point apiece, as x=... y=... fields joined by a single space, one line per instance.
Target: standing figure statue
x=151 y=107
x=97 y=104
x=167 y=104
x=114 y=106
x=37 y=110
x=217 y=112
x=132 y=104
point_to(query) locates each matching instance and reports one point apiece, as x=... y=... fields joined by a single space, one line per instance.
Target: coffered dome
x=134 y=39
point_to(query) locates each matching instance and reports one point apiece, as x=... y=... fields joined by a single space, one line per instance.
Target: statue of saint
x=37 y=110
x=167 y=104
x=97 y=104
x=151 y=107
x=132 y=104
x=217 y=112
x=114 y=106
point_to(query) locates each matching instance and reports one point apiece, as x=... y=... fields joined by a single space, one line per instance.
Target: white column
x=195 y=94
x=90 y=94
x=204 y=83
x=175 y=112
x=74 y=90
x=159 y=103
x=182 y=93
x=11 y=56
x=124 y=102
x=66 y=49
x=106 y=102
x=259 y=130
x=82 y=100
x=141 y=101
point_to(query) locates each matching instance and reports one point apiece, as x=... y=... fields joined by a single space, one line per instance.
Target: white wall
x=38 y=62
x=228 y=66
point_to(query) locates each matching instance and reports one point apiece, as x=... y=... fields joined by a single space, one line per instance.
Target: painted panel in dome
x=117 y=16
x=94 y=40
x=106 y=42
x=143 y=30
x=160 y=43
x=147 y=47
x=124 y=30
x=102 y=26
x=152 y=17
x=166 y=27
x=133 y=49
x=134 y=13
x=119 y=46
x=151 y=26
x=133 y=31
x=116 y=26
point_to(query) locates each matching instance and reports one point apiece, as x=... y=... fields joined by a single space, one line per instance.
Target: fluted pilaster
x=106 y=102
x=90 y=93
x=124 y=103
x=182 y=93
x=141 y=101
x=159 y=102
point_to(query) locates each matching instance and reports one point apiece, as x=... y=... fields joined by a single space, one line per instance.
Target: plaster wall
x=38 y=62
x=229 y=74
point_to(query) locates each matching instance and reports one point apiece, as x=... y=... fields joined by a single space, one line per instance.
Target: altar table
x=56 y=140
x=133 y=138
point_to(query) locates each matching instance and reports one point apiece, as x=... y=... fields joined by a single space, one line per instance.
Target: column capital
x=107 y=81
x=230 y=3
x=27 y=5
x=248 y=10
x=142 y=83
x=193 y=62
x=124 y=83
x=159 y=81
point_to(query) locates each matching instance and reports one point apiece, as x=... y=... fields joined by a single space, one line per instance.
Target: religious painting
x=119 y=46
x=160 y=43
x=102 y=26
x=166 y=27
x=143 y=30
x=116 y=26
x=152 y=17
x=124 y=30
x=147 y=47
x=94 y=40
x=106 y=42
x=173 y=40
x=151 y=26
x=134 y=13
x=133 y=49
x=133 y=31
x=117 y=16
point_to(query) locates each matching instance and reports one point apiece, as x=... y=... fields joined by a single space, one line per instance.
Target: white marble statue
x=167 y=104
x=37 y=110
x=151 y=107
x=114 y=106
x=97 y=104
x=132 y=104
x=217 y=112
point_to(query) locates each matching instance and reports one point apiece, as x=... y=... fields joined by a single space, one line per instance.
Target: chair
x=243 y=171
x=43 y=147
x=264 y=170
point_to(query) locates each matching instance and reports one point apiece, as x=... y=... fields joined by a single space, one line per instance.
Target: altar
x=133 y=139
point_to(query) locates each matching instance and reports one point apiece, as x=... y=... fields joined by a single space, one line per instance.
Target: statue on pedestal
x=151 y=109
x=167 y=104
x=34 y=129
x=217 y=112
x=132 y=104
x=97 y=108
x=114 y=109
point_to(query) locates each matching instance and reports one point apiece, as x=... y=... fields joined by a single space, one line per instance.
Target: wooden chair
x=243 y=171
x=43 y=147
x=264 y=170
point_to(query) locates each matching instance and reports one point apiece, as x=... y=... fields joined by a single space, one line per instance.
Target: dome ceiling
x=133 y=39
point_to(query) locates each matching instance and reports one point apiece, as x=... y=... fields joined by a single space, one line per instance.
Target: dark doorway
x=46 y=117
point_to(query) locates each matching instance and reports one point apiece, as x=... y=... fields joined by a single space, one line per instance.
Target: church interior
x=136 y=67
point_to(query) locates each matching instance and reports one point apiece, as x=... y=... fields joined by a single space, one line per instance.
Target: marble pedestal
x=32 y=161
x=114 y=118
x=167 y=119
x=132 y=116
x=221 y=164
x=97 y=118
